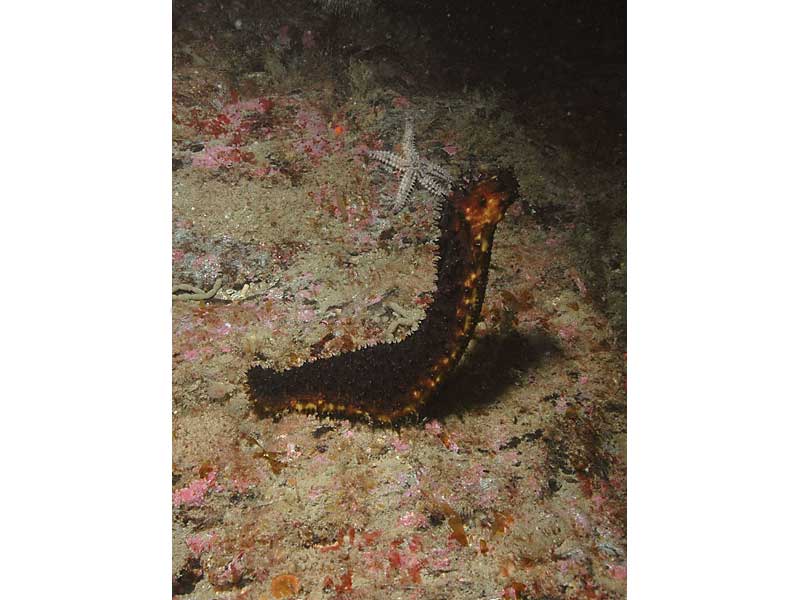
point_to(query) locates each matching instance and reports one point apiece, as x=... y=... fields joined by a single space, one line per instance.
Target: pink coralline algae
x=316 y=147
x=568 y=332
x=234 y=118
x=191 y=355
x=373 y=300
x=206 y=267
x=284 y=40
x=401 y=560
x=412 y=519
x=582 y=520
x=477 y=484
x=200 y=542
x=440 y=559
x=363 y=240
x=618 y=571
x=223 y=329
x=400 y=445
x=311 y=122
x=433 y=427
x=234 y=125
x=266 y=171
x=308 y=40
x=447 y=439
x=194 y=494
x=306 y=315
x=292 y=451
x=321 y=196
x=598 y=500
x=313 y=130
x=232 y=573
x=214 y=157
x=576 y=279
x=360 y=152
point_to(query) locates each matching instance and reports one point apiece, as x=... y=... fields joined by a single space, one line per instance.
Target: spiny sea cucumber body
x=392 y=382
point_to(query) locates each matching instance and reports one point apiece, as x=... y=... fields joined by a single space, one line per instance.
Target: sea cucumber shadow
x=488 y=369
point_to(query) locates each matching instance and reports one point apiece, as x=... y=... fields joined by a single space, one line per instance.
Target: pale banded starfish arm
x=408 y=137
x=413 y=169
x=434 y=186
x=406 y=185
x=436 y=170
x=389 y=159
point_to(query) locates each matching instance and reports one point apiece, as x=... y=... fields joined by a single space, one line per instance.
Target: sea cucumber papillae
x=392 y=382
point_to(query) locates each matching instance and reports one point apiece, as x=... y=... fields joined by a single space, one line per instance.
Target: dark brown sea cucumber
x=391 y=382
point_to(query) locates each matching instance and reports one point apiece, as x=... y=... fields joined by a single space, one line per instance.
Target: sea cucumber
x=391 y=382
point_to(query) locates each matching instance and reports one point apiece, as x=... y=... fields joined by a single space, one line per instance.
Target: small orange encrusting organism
x=285 y=586
x=390 y=382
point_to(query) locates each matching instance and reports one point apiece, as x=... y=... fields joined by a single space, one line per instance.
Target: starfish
x=413 y=168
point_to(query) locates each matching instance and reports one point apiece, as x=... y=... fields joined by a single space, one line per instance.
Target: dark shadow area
x=489 y=369
x=517 y=42
x=562 y=63
x=187 y=579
